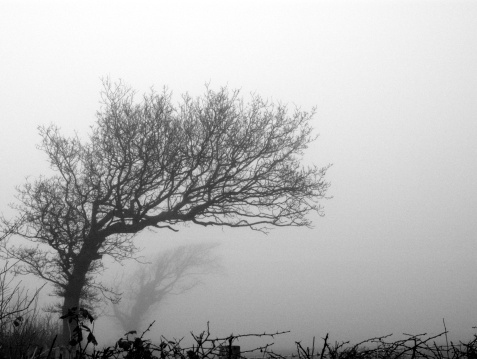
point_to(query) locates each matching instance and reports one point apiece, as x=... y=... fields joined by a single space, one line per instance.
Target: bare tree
x=170 y=272
x=14 y=300
x=212 y=161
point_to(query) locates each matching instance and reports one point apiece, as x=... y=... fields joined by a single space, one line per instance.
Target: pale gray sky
x=395 y=85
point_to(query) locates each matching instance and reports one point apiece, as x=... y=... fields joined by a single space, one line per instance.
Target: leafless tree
x=211 y=161
x=14 y=300
x=170 y=272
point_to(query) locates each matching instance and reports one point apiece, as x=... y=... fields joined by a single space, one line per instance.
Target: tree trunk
x=69 y=302
x=73 y=290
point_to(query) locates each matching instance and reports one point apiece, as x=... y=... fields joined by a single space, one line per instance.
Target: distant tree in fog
x=210 y=161
x=171 y=272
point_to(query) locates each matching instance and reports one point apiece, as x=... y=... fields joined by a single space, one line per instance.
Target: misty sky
x=394 y=84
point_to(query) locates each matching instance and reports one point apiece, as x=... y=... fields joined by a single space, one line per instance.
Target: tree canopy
x=170 y=272
x=214 y=160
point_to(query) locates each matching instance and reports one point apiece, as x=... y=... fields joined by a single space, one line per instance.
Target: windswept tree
x=212 y=161
x=168 y=273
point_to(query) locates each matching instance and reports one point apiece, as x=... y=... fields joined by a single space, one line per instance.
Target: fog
x=394 y=84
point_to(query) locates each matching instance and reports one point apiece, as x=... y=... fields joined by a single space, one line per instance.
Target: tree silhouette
x=211 y=161
x=170 y=272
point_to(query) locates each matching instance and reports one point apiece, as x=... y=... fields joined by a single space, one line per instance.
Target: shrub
x=23 y=329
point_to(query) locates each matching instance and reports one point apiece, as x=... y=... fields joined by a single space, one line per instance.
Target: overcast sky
x=394 y=84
